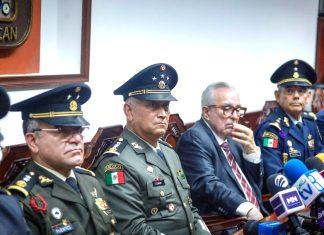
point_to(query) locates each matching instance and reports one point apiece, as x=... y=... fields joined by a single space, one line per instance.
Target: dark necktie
x=160 y=153
x=72 y=182
x=299 y=126
x=235 y=168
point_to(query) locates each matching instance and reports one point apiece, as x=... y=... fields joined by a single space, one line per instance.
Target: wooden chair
x=175 y=128
x=103 y=138
x=14 y=159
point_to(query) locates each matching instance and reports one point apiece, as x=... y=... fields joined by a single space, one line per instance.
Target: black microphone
x=286 y=201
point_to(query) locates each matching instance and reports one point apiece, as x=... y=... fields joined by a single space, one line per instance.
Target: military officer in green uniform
x=57 y=196
x=141 y=174
x=289 y=132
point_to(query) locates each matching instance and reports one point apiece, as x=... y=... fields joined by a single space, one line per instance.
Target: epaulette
x=116 y=148
x=84 y=171
x=276 y=124
x=309 y=115
x=24 y=183
x=165 y=143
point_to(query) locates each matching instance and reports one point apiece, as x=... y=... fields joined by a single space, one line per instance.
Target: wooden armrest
x=217 y=224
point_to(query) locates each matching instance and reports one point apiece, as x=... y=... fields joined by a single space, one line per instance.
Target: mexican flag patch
x=272 y=143
x=116 y=177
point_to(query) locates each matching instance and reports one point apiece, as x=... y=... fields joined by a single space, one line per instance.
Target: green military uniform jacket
x=147 y=194
x=53 y=207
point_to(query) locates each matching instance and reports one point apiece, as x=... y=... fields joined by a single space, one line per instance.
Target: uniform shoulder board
x=309 y=115
x=165 y=143
x=84 y=171
x=116 y=148
x=24 y=183
x=276 y=124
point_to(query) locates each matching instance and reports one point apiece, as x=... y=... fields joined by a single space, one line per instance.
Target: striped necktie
x=235 y=168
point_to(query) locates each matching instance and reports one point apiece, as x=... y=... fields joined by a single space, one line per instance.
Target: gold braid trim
x=294 y=80
x=55 y=114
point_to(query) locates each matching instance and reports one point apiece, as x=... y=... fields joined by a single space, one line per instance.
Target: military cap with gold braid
x=294 y=73
x=60 y=106
x=152 y=83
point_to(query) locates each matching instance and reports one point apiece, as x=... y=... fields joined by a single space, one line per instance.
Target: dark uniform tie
x=160 y=153
x=235 y=168
x=299 y=126
x=73 y=183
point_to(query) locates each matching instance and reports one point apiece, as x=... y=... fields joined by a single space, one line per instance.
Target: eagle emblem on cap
x=161 y=84
x=73 y=105
x=296 y=75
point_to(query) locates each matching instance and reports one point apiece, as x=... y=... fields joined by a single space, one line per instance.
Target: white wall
x=241 y=42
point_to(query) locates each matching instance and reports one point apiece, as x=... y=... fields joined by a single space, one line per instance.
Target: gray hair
x=207 y=97
x=30 y=125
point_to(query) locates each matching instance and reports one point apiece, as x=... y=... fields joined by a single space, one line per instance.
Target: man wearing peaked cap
x=141 y=174
x=11 y=217
x=289 y=132
x=57 y=195
x=152 y=83
x=60 y=106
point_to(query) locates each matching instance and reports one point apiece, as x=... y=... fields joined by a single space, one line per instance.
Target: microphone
x=309 y=183
x=315 y=163
x=320 y=156
x=253 y=227
x=285 y=201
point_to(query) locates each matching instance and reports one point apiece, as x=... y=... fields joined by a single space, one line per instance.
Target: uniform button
x=190 y=226
x=113 y=221
x=162 y=194
x=185 y=204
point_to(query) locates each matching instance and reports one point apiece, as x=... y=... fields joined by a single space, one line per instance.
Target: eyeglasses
x=65 y=132
x=228 y=110
x=292 y=90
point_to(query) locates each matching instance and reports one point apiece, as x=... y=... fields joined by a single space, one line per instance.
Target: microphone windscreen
x=277 y=183
x=251 y=227
x=293 y=169
x=314 y=163
x=320 y=156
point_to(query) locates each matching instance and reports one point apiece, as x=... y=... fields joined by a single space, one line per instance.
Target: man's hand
x=244 y=136
x=254 y=214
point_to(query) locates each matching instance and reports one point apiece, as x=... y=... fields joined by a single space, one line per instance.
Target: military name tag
x=62 y=228
x=158 y=183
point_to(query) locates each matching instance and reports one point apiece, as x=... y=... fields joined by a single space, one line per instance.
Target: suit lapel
x=219 y=152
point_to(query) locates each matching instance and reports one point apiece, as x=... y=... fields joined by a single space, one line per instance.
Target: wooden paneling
x=320 y=50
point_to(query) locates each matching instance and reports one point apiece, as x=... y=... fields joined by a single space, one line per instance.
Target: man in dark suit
x=289 y=132
x=12 y=221
x=57 y=196
x=223 y=181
